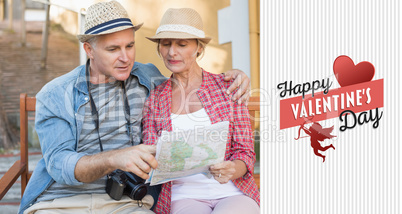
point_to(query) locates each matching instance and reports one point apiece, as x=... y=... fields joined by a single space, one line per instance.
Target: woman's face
x=179 y=55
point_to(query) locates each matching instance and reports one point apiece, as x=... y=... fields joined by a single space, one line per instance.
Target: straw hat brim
x=176 y=35
x=84 y=37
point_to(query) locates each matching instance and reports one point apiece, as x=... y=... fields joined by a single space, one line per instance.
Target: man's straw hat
x=104 y=18
x=183 y=23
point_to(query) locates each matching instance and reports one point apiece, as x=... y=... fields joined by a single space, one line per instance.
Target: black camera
x=121 y=183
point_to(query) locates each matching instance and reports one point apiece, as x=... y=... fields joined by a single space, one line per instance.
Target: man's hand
x=137 y=159
x=242 y=82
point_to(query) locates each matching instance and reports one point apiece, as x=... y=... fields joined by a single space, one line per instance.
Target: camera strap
x=95 y=114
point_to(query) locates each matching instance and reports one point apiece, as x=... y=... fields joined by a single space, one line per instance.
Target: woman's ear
x=200 y=50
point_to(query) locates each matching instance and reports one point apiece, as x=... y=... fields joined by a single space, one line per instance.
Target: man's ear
x=88 y=49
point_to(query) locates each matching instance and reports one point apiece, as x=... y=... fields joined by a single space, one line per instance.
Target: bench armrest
x=10 y=177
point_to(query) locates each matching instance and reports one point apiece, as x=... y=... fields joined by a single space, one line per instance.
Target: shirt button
x=86 y=98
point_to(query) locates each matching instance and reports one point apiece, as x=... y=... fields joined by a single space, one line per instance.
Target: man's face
x=112 y=57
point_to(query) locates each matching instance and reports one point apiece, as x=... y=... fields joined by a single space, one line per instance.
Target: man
x=89 y=122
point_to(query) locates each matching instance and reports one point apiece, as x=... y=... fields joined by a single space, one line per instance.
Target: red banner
x=357 y=98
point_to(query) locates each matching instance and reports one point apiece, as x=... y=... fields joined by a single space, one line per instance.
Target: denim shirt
x=58 y=121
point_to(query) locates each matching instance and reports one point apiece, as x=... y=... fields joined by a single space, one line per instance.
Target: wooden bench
x=20 y=167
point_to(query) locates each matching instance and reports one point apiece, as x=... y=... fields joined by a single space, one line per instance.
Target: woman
x=192 y=98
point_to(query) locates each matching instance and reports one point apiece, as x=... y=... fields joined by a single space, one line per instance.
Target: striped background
x=299 y=41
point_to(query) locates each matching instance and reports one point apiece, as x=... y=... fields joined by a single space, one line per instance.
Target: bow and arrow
x=317 y=134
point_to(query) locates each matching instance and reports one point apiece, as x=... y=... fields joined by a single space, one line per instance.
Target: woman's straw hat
x=106 y=17
x=183 y=23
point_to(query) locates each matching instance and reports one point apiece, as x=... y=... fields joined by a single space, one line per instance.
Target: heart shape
x=347 y=73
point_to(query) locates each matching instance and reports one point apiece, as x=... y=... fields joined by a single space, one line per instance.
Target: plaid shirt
x=219 y=107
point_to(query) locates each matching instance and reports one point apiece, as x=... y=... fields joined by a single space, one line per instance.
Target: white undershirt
x=198 y=186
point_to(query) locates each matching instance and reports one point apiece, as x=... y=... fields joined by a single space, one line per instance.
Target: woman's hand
x=223 y=172
x=242 y=82
x=228 y=170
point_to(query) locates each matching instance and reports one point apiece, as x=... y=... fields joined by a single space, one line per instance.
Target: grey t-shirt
x=108 y=98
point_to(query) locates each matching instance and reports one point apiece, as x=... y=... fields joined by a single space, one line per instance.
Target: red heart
x=347 y=73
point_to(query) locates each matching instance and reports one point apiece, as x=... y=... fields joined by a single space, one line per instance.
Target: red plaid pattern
x=219 y=107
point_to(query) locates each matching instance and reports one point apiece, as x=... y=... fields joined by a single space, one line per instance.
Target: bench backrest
x=253 y=108
x=27 y=104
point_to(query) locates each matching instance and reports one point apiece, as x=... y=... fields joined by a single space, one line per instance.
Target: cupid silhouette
x=317 y=134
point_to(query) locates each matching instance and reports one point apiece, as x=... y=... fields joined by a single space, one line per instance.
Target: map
x=184 y=153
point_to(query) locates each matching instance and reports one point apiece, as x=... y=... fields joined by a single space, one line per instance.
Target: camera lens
x=135 y=191
x=135 y=187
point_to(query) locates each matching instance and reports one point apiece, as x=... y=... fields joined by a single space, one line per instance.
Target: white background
x=300 y=40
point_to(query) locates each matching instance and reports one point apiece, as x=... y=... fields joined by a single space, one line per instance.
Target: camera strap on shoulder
x=95 y=114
